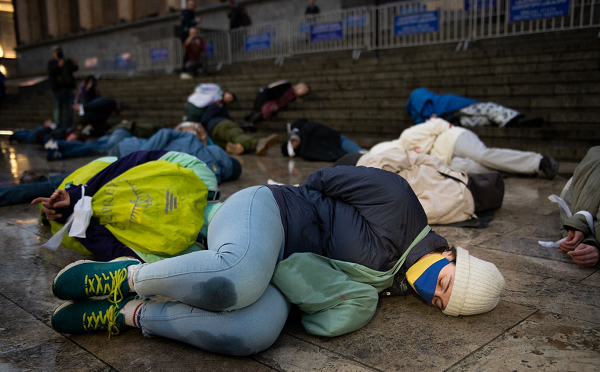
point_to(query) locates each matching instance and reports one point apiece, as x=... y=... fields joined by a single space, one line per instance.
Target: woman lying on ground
x=329 y=245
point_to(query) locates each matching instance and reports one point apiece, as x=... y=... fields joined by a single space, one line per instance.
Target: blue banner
x=356 y=20
x=525 y=10
x=416 y=23
x=210 y=48
x=257 y=42
x=123 y=61
x=159 y=55
x=326 y=32
x=481 y=4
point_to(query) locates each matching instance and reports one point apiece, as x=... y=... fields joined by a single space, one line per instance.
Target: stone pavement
x=548 y=318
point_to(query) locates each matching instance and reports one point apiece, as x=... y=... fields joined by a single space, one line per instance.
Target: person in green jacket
x=329 y=246
x=580 y=212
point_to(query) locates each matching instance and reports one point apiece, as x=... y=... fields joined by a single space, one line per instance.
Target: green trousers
x=228 y=131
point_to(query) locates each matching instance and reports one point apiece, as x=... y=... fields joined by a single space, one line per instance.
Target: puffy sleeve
x=381 y=197
x=332 y=303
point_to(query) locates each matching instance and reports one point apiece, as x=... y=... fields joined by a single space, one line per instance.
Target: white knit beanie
x=477 y=286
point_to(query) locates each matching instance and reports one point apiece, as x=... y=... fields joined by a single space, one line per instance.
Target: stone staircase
x=554 y=75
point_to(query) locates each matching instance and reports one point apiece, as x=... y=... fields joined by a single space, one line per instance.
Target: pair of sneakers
x=96 y=291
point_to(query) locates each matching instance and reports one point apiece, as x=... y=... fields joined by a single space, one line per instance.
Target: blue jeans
x=27 y=136
x=20 y=194
x=62 y=99
x=348 y=145
x=77 y=149
x=225 y=303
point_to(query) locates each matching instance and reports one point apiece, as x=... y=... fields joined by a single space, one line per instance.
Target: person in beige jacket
x=442 y=191
x=462 y=150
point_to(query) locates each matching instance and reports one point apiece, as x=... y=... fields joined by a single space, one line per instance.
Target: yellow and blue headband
x=423 y=275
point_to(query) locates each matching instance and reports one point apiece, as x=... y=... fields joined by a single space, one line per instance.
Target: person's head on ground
x=301 y=89
x=190 y=4
x=456 y=282
x=195 y=128
x=57 y=53
x=229 y=97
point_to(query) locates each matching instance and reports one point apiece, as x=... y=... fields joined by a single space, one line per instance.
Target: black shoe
x=549 y=167
x=249 y=127
x=522 y=122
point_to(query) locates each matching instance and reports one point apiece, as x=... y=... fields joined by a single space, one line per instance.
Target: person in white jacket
x=462 y=150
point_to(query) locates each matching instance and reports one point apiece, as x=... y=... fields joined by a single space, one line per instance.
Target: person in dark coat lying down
x=315 y=141
x=271 y=100
x=462 y=111
x=329 y=245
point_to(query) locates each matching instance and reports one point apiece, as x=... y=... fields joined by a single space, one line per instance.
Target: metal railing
x=495 y=18
x=409 y=23
x=420 y=23
x=345 y=30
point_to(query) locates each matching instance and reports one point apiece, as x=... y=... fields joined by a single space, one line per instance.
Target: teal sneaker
x=77 y=318
x=84 y=279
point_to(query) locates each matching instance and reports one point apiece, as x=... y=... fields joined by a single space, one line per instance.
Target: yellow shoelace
x=112 y=285
x=107 y=321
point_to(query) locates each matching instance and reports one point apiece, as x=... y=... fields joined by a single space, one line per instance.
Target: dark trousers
x=20 y=194
x=62 y=99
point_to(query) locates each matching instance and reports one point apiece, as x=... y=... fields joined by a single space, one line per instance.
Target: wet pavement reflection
x=548 y=318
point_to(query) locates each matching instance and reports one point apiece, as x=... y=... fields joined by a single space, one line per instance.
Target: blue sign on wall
x=123 y=61
x=326 y=31
x=481 y=4
x=525 y=10
x=210 y=48
x=257 y=42
x=416 y=23
x=356 y=20
x=159 y=54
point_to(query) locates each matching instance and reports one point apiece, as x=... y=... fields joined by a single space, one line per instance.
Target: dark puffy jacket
x=318 y=142
x=355 y=214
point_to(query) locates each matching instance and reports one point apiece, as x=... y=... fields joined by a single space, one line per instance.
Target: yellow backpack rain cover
x=156 y=207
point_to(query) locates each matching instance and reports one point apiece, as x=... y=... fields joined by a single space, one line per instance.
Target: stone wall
x=32 y=58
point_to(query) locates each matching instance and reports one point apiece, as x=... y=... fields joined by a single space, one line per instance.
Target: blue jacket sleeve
x=223 y=161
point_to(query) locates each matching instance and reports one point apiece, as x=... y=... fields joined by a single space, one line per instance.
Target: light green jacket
x=337 y=297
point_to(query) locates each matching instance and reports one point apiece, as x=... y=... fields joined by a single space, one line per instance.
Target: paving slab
x=543 y=342
x=27 y=344
x=407 y=335
x=593 y=280
x=558 y=296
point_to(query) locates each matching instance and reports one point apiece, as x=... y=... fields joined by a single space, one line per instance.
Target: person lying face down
x=423 y=104
x=316 y=141
x=272 y=99
x=207 y=105
x=329 y=246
